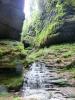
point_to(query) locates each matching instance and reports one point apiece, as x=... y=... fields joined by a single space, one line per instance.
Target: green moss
x=46 y=33
x=11 y=81
x=50 y=29
x=10 y=97
x=36 y=55
x=31 y=25
x=70 y=2
x=64 y=51
x=11 y=52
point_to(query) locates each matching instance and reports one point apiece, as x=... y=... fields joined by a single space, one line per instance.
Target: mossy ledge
x=12 y=59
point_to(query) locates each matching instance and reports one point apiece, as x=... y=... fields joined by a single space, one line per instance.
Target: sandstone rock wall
x=11 y=19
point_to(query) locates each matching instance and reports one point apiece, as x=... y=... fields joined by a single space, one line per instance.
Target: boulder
x=26 y=43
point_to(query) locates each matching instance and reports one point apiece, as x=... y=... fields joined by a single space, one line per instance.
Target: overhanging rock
x=11 y=19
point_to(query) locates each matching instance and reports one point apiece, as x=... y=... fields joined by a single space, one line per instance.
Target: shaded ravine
x=42 y=83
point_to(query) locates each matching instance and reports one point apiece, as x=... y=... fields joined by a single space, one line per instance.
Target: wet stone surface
x=42 y=83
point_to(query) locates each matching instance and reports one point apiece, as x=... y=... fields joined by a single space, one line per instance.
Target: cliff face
x=11 y=21
x=11 y=18
x=59 y=22
x=54 y=24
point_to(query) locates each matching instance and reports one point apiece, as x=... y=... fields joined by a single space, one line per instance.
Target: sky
x=27 y=8
x=27 y=5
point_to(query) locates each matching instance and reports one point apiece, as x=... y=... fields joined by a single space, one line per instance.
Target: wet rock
x=52 y=86
x=3 y=89
x=19 y=68
x=26 y=43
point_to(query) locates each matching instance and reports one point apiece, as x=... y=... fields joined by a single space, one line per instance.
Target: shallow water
x=39 y=84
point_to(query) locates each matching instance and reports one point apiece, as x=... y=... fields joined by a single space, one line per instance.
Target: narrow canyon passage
x=42 y=83
x=40 y=33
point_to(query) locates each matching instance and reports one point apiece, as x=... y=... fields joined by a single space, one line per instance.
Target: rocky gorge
x=37 y=62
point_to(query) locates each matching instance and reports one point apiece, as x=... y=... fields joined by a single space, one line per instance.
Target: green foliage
x=29 y=24
x=46 y=33
x=63 y=51
x=11 y=52
x=36 y=55
x=70 y=2
x=43 y=25
x=11 y=81
x=50 y=28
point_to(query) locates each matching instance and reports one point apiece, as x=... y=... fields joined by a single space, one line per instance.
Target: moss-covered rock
x=55 y=56
x=11 y=82
x=12 y=60
x=11 y=53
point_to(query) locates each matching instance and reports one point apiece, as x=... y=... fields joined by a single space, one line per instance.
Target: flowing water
x=40 y=84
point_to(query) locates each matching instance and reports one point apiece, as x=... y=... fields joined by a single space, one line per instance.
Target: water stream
x=39 y=84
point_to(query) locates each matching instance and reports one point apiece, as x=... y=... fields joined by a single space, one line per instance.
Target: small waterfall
x=38 y=83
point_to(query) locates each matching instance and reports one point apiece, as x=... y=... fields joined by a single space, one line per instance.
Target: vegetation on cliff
x=48 y=35
x=10 y=53
x=51 y=33
x=53 y=23
x=11 y=60
x=58 y=55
